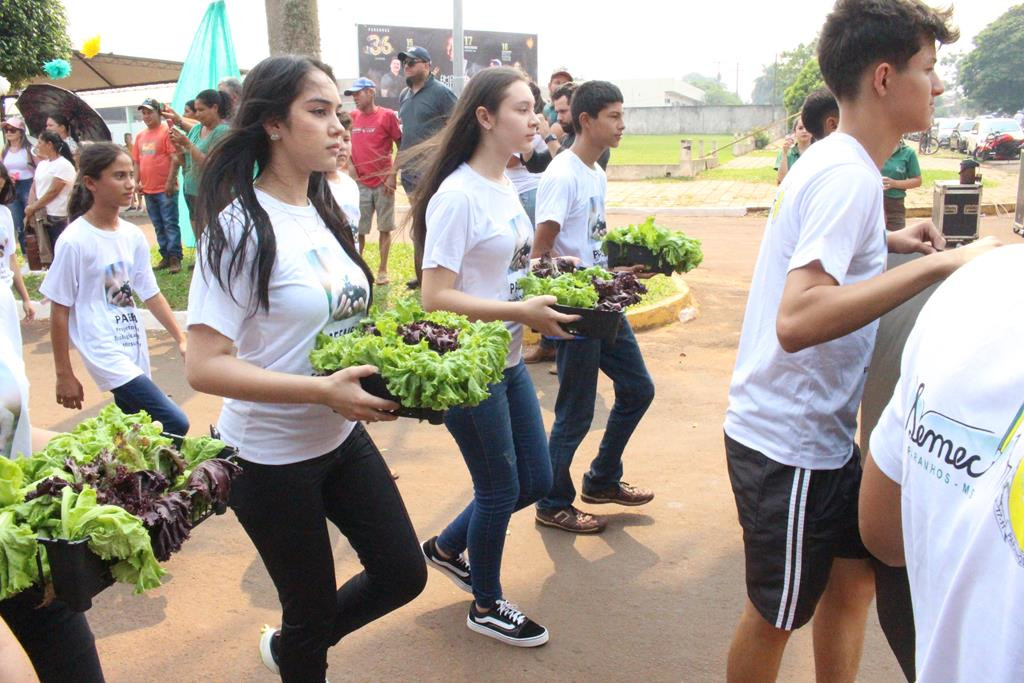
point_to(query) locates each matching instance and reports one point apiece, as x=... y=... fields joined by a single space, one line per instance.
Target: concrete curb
x=151 y=323
x=659 y=313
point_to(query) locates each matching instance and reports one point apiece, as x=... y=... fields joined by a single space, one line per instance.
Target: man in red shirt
x=156 y=172
x=376 y=133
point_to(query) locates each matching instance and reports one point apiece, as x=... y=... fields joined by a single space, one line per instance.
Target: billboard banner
x=379 y=47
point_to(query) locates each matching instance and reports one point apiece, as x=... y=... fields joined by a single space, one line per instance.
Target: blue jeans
x=21 y=190
x=578 y=362
x=503 y=443
x=142 y=394
x=163 y=214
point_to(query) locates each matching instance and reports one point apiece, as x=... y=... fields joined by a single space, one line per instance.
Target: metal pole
x=458 y=60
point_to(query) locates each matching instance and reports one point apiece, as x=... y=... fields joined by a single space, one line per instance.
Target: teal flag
x=210 y=60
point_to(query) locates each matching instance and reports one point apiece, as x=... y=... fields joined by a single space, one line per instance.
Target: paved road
x=653 y=598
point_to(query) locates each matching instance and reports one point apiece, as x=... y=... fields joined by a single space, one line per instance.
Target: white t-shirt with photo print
x=346 y=194
x=314 y=287
x=15 y=431
x=95 y=273
x=8 y=246
x=800 y=409
x=478 y=229
x=572 y=195
x=952 y=437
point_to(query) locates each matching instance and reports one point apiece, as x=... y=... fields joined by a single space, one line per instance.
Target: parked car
x=942 y=128
x=989 y=138
x=958 y=136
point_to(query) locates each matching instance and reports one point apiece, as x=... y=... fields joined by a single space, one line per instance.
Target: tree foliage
x=714 y=89
x=992 y=74
x=808 y=80
x=32 y=32
x=771 y=85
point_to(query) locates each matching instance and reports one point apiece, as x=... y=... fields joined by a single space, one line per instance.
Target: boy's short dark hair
x=818 y=106
x=859 y=33
x=565 y=90
x=346 y=120
x=591 y=98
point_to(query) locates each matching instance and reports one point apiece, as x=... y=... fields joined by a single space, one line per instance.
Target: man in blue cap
x=375 y=132
x=423 y=107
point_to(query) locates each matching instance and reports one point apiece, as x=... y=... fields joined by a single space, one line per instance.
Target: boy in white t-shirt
x=571 y=222
x=943 y=483
x=818 y=289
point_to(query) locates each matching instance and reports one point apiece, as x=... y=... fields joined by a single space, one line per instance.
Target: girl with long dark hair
x=17 y=157
x=476 y=241
x=277 y=266
x=101 y=263
x=51 y=185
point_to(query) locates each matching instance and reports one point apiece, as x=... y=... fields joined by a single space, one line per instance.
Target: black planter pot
x=593 y=324
x=633 y=255
x=78 y=574
x=374 y=384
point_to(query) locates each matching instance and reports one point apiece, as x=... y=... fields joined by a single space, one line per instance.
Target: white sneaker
x=267 y=634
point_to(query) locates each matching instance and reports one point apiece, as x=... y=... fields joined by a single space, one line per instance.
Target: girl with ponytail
x=101 y=264
x=276 y=267
x=476 y=241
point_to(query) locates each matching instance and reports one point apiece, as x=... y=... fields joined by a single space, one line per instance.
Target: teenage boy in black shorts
x=818 y=289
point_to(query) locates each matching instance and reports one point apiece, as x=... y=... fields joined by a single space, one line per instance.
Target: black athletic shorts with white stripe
x=795 y=522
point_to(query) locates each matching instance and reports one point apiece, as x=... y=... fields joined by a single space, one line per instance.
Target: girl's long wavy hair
x=25 y=145
x=94 y=159
x=237 y=160
x=454 y=144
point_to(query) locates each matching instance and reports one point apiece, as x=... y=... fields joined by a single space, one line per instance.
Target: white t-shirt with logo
x=314 y=287
x=15 y=431
x=572 y=195
x=952 y=437
x=800 y=409
x=8 y=246
x=478 y=229
x=46 y=171
x=346 y=194
x=95 y=273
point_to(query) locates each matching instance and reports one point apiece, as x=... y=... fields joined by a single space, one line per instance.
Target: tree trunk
x=293 y=27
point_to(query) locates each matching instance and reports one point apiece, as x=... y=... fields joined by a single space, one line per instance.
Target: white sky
x=631 y=39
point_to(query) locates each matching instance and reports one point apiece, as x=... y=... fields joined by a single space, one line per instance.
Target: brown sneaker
x=572 y=520
x=173 y=265
x=620 y=494
x=164 y=263
x=538 y=354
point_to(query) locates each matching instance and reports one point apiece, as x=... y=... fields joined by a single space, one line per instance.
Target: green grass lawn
x=664 y=149
x=400 y=270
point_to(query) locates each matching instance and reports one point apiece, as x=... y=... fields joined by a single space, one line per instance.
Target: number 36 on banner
x=376 y=45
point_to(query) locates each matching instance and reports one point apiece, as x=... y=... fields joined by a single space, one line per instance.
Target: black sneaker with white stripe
x=455 y=568
x=506 y=623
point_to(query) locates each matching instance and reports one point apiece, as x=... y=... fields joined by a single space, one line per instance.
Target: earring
x=275 y=137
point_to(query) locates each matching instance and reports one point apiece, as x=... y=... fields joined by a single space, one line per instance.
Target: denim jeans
x=284 y=509
x=21 y=191
x=163 y=214
x=142 y=394
x=503 y=443
x=578 y=362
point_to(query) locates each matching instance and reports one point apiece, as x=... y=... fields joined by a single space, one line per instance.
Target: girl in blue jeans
x=101 y=264
x=476 y=241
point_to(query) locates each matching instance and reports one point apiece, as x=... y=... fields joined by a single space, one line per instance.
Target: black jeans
x=57 y=640
x=284 y=510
